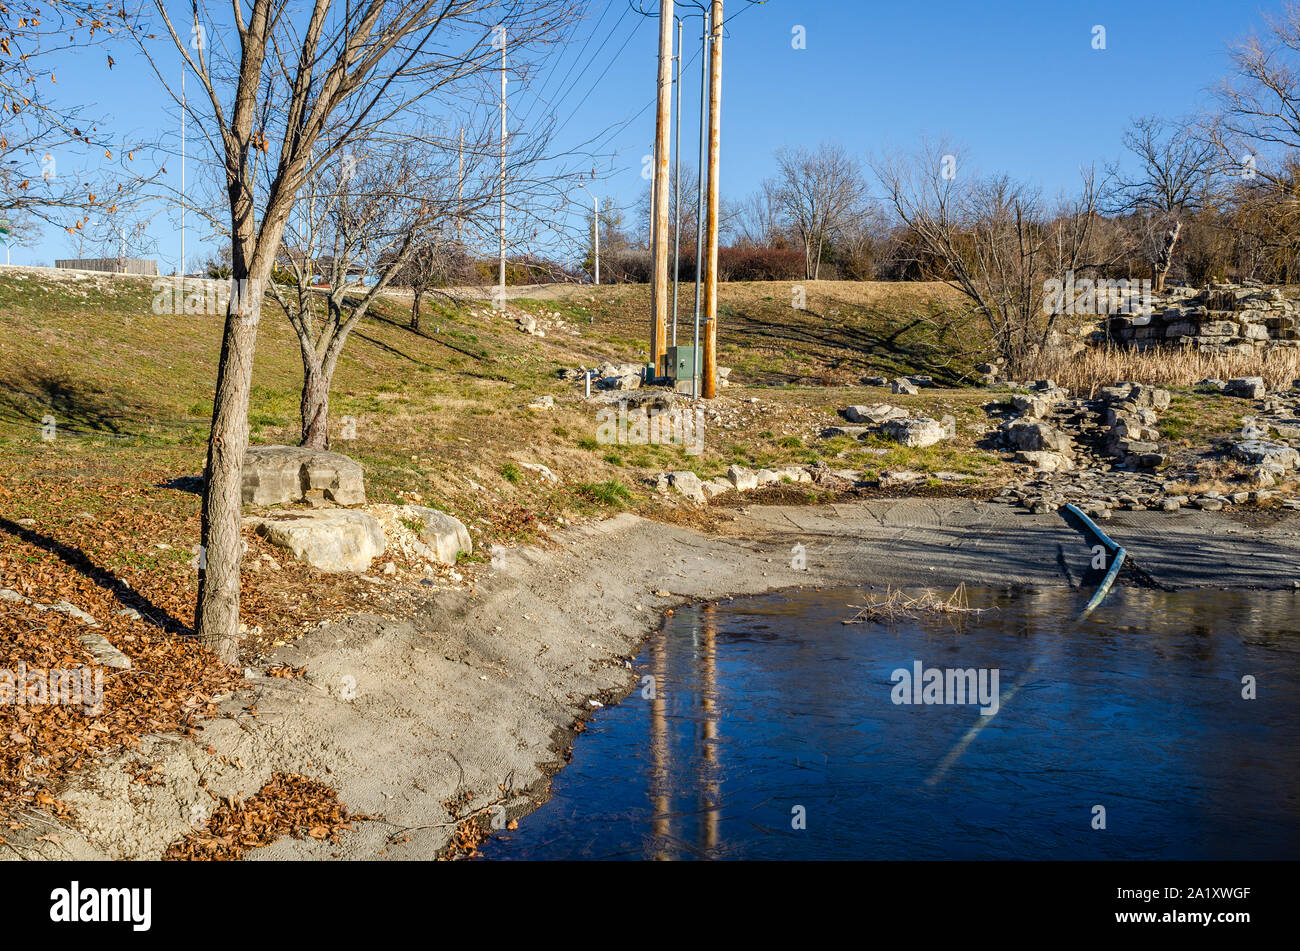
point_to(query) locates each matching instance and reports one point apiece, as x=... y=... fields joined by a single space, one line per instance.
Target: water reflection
x=766 y=708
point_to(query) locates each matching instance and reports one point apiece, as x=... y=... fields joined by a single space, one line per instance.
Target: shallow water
x=767 y=708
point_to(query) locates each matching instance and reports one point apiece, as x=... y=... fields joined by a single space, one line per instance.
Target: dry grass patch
x=1086 y=372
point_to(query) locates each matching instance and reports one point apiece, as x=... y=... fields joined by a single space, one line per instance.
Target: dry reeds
x=896 y=604
x=1085 y=372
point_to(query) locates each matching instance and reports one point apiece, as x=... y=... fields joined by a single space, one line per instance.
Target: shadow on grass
x=28 y=398
x=422 y=335
x=908 y=343
x=80 y=562
x=192 y=484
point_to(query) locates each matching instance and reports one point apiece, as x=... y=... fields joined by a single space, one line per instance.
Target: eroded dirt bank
x=473 y=697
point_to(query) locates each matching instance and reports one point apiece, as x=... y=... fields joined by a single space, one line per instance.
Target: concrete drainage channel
x=1117 y=553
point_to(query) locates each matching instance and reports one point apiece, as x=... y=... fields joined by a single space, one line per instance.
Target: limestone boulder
x=1246 y=387
x=1046 y=461
x=872 y=413
x=795 y=474
x=630 y=381
x=1262 y=452
x=743 y=479
x=1037 y=436
x=716 y=487
x=1031 y=406
x=445 y=536
x=333 y=540
x=687 y=484
x=274 y=475
x=915 y=432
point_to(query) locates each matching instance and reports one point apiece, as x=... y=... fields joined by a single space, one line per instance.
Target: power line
x=602 y=75
x=613 y=130
x=554 y=72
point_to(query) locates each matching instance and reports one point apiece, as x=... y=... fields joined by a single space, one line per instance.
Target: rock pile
x=891 y=422
x=1221 y=318
x=738 y=479
x=1131 y=417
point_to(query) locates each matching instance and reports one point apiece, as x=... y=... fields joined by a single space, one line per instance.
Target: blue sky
x=1017 y=83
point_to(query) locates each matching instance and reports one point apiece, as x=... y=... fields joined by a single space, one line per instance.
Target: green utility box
x=679 y=363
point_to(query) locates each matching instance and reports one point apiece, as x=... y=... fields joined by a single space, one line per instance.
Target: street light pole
x=595 y=230
x=501 y=239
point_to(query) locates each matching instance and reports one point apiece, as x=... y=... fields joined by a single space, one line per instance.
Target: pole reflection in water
x=765 y=705
x=661 y=802
x=709 y=723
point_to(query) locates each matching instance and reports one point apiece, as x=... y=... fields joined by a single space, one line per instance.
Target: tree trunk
x=315 y=405
x=415 y=313
x=216 y=616
x=1165 y=257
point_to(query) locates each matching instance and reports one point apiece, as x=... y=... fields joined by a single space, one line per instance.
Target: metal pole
x=677 y=179
x=502 y=236
x=183 y=104
x=699 y=200
x=595 y=227
x=710 y=386
x=460 y=193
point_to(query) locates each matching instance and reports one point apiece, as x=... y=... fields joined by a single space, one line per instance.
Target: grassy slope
x=438 y=414
x=846 y=330
x=441 y=415
x=433 y=409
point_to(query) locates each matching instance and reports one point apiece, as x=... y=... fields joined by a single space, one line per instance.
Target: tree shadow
x=423 y=336
x=188 y=483
x=80 y=562
x=862 y=344
x=27 y=398
x=388 y=348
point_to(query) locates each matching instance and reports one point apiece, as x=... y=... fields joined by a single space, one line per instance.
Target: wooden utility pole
x=677 y=179
x=659 y=218
x=710 y=382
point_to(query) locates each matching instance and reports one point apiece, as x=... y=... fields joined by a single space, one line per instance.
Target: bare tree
x=358 y=224
x=758 y=220
x=993 y=240
x=435 y=262
x=817 y=193
x=1259 y=118
x=42 y=138
x=862 y=242
x=1171 y=182
x=281 y=86
x=690 y=178
x=1257 y=133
